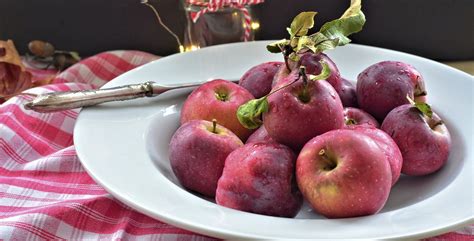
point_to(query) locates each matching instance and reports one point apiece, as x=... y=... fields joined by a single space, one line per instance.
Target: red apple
x=197 y=153
x=280 y=75
x=343 y=173
x=354 y=116
x=217 y=99
x=258 y=80
x=385 y=85
x=298 y=113
x=260 y=135
x=424 y=142
x=312 y=62
x=386 y=144
x=259 y=178
x=347 y=93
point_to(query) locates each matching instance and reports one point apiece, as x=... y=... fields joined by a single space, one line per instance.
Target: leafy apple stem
x=331 y=34
x=424 y=108
x=250 y=114
x=286 y=52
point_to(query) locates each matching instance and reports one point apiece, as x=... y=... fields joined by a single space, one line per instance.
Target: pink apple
x=197 y=154
x=259 y=178
x=280 y=75
x=386 y=144
x=313 y=66
x=258 y=80
x=298 y=113
x=385 y=85
x=343 y=173
x=260 y=135
x=354 y=116
x=424 y=142
x=217 y=99
x=347 y=93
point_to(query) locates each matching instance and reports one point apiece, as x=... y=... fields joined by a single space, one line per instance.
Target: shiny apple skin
x=197 y=154
x=259 y=178
x=292 y=121
x=356 y=180
x=424 y=150
x=385 y=85
x=203 y=104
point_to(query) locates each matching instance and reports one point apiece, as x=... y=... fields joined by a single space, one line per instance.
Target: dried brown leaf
x=14 y=77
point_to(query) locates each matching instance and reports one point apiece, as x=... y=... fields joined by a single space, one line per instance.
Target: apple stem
x=303 y=74
x=330 y=164
x=433 y=124
x=350 y=121
x=286 y=52
x=422 y=93
x=304 y=97
x=214 y=125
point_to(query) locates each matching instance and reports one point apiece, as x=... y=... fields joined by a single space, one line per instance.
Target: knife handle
x=58 y=101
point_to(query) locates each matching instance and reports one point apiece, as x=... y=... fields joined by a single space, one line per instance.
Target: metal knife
x=58 y=101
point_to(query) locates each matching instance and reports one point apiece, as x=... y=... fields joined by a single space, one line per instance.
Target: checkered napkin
x=45 y=193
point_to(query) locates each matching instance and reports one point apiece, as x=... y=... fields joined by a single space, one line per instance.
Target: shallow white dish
x=123 y=146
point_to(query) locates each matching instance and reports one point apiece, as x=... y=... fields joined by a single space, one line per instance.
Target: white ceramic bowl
x=124 y=147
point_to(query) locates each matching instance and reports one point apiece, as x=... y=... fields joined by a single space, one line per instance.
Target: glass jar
x=224 y=25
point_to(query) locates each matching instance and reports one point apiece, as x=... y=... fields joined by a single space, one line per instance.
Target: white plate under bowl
x=124 y=147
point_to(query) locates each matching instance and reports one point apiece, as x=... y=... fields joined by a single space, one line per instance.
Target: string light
x=255 y=25
x=191 y=47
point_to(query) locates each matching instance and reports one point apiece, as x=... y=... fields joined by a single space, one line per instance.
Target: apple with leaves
x=299 y=108
x=303 y=110
x=217 y=99
x=198 y=150
x=421 y=135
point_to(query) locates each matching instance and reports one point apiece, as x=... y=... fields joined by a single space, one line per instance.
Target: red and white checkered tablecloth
x=45 y=193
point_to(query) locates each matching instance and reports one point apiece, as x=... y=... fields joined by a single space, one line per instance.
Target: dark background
x=437 y=29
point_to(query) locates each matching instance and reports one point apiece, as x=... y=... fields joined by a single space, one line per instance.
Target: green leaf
x=350 y=22
x=301 y=24
x=276 y=47
x=424 y=108
x=294 y=42
x=322 y=43
x=325 y=72
x=250 y=113
x=326 y=45
x=305 y=43
x=294 y=57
